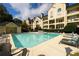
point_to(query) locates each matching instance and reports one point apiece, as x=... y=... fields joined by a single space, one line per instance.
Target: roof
x=73 y=6
x=4 y=23
x=36 y=17
x=18 y=24
x=51 y=6
x=39 y=17
x=45 y=16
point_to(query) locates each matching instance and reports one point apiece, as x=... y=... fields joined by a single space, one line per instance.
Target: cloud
x=25 y=10
x=42 y=9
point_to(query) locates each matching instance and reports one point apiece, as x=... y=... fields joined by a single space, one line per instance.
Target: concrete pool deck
x=48 y=48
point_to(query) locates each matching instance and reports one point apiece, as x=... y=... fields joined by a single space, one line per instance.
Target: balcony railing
x=73 y=20
x=73 y=13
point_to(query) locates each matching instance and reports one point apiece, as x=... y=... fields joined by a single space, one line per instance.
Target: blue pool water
x=28 y=40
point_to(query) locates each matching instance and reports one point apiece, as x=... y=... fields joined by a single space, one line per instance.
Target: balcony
x=73 y=13
x=52 y=26
x=51 y=21
x=60 y=20
x=45 y=27
x=60 y=26
x=60 y=23
x=73 y=20
x=46 y=22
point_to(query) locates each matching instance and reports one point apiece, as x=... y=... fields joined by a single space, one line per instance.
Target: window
x=45 y=27
x=59 y=10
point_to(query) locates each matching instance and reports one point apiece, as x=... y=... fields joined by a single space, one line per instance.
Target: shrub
x=71 y=27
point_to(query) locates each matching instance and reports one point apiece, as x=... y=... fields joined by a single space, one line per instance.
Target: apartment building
x=42 y=21
x=57 y=16
x=73 y=14
x=37 y=21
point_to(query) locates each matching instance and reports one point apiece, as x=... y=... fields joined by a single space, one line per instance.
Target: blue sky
x=25 y=10
x=10 y=9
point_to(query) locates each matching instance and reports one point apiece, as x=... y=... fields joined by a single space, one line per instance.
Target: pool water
x=28 y=40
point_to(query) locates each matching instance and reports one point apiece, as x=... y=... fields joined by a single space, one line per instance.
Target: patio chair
x=5 y=50
x=70 y=35
x=24 y=52
x=72 y=41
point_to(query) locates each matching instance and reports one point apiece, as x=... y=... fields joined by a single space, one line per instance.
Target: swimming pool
x=28 y=40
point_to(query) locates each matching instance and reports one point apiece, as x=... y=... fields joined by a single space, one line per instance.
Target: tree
x=71 y=27
x=2 y=9
x=6 y=17
x=25 y=27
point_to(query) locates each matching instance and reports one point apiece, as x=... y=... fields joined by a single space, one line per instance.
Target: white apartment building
x=37 y=21
x=57 y=16
x=73 y=14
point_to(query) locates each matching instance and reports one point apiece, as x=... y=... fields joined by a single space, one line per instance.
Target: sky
x=25 y=10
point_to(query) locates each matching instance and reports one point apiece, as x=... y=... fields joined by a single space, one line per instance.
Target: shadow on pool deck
x=68 y=51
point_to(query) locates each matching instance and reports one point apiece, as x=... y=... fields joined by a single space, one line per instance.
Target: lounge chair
x=67 y=35
x=70 y=35
x=72 y=41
